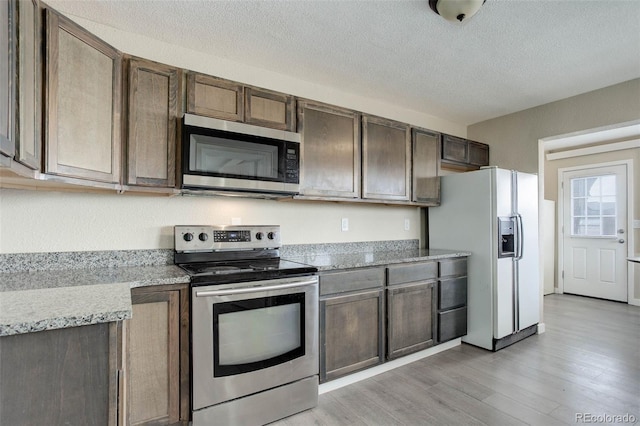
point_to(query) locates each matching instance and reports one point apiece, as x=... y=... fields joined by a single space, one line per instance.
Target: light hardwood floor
x=588 y=361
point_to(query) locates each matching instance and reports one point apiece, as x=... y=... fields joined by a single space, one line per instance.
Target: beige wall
x=513 y=138
x=35 y=221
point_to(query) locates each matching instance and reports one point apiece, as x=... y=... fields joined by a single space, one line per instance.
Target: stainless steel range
x=254 y=325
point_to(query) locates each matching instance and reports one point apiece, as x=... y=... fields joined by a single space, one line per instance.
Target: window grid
x=593 y=206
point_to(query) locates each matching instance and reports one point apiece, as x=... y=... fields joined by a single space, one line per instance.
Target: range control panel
x=190 y=238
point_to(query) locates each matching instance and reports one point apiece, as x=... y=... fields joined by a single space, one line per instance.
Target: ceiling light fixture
x=456 y=10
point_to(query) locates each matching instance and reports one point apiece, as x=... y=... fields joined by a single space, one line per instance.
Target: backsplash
x=27 y=262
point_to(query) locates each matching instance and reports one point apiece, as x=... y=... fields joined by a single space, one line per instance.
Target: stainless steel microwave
x=230 y=156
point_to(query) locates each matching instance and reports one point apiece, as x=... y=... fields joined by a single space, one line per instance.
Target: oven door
x=253 y=336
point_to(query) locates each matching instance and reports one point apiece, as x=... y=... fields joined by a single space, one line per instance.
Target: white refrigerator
x=493 y=214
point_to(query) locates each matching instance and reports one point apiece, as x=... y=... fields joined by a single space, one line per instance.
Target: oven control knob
x=259 y=236
x=203 y=236
x=188 y=236
x=271 y=235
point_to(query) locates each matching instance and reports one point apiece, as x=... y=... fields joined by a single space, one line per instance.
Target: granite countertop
x=47 y=300
x=92 y=293
x=334 y=261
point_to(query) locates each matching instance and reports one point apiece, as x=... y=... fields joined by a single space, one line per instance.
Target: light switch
x=345 y=224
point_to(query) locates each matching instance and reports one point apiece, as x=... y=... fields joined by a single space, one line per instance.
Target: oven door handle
x=245 y=290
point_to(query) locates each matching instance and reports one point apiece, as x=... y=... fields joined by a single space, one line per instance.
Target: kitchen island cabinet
x=351 y=321
x=330 y=150
x=60 y=377
x=153 y=97
x=155 y=350
x=84 y=99
x=386 y=159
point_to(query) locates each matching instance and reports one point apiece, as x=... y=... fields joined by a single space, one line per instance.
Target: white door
x=594 y=232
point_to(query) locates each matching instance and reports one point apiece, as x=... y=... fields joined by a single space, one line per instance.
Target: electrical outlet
x=636 y=224
x=407 y=224
x=236 y=221
x=345 y=224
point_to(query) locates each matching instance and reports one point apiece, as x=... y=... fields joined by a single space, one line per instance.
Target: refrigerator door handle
x=519 y=237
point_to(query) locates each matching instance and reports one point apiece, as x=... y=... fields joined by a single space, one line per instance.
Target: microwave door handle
x=245 y=290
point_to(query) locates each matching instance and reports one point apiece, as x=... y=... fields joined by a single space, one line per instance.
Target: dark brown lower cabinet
x=156 y=357
x=410 y=318
x=352 y=333
x=452 y=299
x=60 y=377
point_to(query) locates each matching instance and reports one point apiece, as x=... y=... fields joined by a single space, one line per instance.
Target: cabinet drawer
x=453 y=267
x=412 y=272
x=352 y=280
x=452 y=293
x=452 y=324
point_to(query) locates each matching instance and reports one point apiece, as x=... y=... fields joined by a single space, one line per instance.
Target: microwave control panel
x=292 y=161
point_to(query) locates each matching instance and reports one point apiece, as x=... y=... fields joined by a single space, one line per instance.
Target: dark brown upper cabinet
x=84 y=103
x=386 y=159
x=425 y=165
x=29 y=87
x=7 y=77
x=229 y=100
x=269 y=109
x=330 y=150
x=464 y=154
x=152 y=121
x=214 y=97
x=478 y=154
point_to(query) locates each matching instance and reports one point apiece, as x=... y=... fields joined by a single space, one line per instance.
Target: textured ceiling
x=512 y=55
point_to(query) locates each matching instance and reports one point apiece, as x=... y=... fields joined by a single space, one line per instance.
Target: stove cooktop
x=207 y=273
x=221 y=254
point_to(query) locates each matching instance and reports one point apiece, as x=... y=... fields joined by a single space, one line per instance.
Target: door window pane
x=593 y=206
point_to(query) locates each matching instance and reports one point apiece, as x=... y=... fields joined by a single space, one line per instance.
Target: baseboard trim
x=634 y=302
x=541 y=328
x=387 y=366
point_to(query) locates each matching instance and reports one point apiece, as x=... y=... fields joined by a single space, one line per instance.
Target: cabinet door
x=7 y=77
x=351 y=333
x=455 y=149
x=478 y=154
x=386 y=167
x=426 y=161
x=269 y=109
x=84 y=102
x=153 y=368
x=29 y=137
x=214 y=97
x=410 y=318
x=60 y=377
x=330 y=150
x=153 y=115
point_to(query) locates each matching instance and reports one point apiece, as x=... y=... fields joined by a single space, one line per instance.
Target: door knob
x=620 y=231
x=621 y=241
